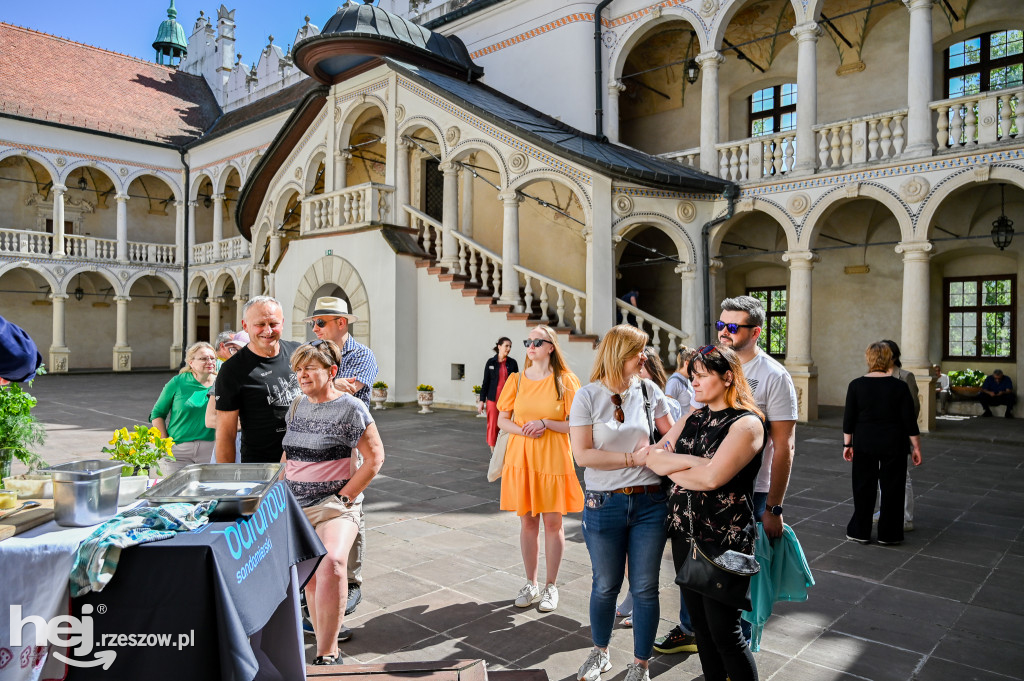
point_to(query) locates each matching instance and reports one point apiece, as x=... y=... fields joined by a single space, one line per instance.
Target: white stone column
x=611 y=120
x=239 y=302
x=122 y=351
x=799 y=361
x=920 y=132
x=466 y=221
x=176 y=334
x=402 y=184
x=914 y=333
x=192 y=321
x=255 y=283
x=179 y=232
x=58 y=221
x=341 y=169
x=122 y=228
x=59 y=351
x=215 y=303
x=218 y=221
x=191 y=227
x=450 y=216
x=806 y=95
x=275 y=249
x=687 y=304
x=716 y=282
x=510 y=248
x=600 y=266
x=709 y=62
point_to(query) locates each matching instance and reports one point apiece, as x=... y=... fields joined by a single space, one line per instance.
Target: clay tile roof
x=47 y=78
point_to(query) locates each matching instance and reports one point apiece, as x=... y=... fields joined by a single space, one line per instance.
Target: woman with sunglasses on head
x=496 y=372
x=538 y=479
x=624 y=512
x=717 y=456
x=180 y=411
x=325 y=425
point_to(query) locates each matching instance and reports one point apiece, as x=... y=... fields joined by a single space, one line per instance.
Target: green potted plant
x=379 y=394
x=141 y=451
x=425 y=397
x=20 y=431
x=966 y=382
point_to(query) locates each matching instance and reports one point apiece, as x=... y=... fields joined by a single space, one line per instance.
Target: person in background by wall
x=678 y=387
x=496 y=371
x=221 y=347
x=997 y=389
x=942 y=392
x=180 y=411
x=19 y=356
x=630 y=297
x=907 y=377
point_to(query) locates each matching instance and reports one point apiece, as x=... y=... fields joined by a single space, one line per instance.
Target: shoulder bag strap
x=648 y=410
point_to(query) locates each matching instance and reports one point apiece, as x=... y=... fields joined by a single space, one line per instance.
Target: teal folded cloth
x=97 y=556
x=784 y=576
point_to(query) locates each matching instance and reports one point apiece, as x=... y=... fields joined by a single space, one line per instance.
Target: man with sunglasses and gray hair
x=331 y=320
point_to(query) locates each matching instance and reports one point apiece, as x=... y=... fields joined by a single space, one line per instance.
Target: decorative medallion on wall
x=124 y=275
x=622 y=204
x=798 y=204
x=337 y=112
x=708 y=8
x=61 y=161
x=298 y=173
x=915 y=189
x=60 y=271
x=399 y=113
x=518 y=162
x=452 y=134
x=123 y=171
x=687 y=211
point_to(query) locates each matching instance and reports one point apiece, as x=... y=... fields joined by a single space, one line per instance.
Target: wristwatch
x=348 y=502
x=775 y=510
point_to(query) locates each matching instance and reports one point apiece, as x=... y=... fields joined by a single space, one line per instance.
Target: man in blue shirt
x=19 y=357
x=997 y=389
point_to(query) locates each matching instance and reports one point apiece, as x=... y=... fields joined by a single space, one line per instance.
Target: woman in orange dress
x=538 y=478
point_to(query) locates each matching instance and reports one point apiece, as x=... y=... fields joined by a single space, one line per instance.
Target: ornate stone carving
x=798 y=204
x=452 y=134
x=60 y=271
x=123 y=171
x=687 y=211
x=851 y=190
x=915 y=189
x=518 y=162
x=124 y=275
x=622 y=204
x=298 y=173
x=708 y=8
x=981 y=173
x=399 y=113
x=62 y=364
x=61 y=161
x=656 y=11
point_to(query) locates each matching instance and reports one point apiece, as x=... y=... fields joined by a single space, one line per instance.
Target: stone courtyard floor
x=443 y=562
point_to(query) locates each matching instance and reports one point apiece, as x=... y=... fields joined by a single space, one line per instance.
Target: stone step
x=584 y=338
x=452 y=276
x=498 y=307
x=435 y=269
x=424 y=262
x=453 y=670
x=516 y=316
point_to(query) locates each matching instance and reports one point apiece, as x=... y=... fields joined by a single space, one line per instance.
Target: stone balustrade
x=976 y=120
x=641 y=319
x=537 y=287
x=873 y=138
x=235 y=248
x=368 y=203
x=40 y=244
x=757 y=157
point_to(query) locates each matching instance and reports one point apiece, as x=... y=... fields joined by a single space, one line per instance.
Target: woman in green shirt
x=181 y=409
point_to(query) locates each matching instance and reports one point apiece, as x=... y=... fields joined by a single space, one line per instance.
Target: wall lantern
x=1002 y=227
x=79 y=291
x=206 y=201
x=692 y=70
x=82 y=184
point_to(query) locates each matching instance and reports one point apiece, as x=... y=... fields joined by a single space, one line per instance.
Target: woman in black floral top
x=717 y=457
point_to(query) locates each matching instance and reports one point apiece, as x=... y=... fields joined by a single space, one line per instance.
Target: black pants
x=1009 y=399
x=722 y=649
x=878 y=468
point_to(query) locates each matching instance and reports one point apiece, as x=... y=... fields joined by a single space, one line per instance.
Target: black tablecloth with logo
x=217 y=603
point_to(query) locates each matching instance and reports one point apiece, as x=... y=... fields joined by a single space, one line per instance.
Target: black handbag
x=712 y=572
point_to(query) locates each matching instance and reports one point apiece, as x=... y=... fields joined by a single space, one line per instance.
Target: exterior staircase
x=453 y=670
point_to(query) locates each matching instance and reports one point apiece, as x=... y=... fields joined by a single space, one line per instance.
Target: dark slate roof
x=371 y=22
x=278 y=102
x=561 y=139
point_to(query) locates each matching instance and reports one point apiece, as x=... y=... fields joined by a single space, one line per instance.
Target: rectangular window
x=773 y=336
x=773 y=110
x=980 y=320
x=986 y=62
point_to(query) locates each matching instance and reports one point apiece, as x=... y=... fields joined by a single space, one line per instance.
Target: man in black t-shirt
x=257 y=386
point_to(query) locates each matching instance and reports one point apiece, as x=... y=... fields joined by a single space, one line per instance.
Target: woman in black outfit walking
x=498 y=368
x=879 y=418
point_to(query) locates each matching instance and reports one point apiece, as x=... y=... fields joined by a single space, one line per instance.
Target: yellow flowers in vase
x=140 y=450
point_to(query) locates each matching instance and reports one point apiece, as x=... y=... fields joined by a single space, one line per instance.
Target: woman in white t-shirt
x=624 y=508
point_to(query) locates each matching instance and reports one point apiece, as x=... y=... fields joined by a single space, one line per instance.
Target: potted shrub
x=19 y=429
x=476 y=395
x=379 y=394
x=966 y=383
x=425 y=397
x=141 y=452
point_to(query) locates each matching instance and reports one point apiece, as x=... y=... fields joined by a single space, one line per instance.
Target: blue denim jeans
x=615 y=526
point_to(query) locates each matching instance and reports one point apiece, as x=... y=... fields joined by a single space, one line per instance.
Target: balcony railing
x=235 y=248
x=641 y=319
x=756 y=157
x=974 y=120
x=368 y=203
x=687 y=157
x=868 y=139
x=40 y=244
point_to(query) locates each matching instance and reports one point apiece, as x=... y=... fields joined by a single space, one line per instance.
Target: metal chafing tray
x=237 y=487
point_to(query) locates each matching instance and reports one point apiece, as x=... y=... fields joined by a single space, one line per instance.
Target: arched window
x=990 y=61
x=773 y=110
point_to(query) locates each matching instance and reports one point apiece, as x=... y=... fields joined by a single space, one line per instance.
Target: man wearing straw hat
x=331 y=320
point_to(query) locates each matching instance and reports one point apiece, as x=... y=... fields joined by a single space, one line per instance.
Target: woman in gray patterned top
x=324 y=426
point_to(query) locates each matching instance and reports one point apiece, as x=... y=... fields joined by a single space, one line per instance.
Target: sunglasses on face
x=319 y=323
x=733 y=328
x=620 y=416
x=534 y=342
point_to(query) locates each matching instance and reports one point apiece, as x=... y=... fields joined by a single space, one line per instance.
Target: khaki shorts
x=331 y=508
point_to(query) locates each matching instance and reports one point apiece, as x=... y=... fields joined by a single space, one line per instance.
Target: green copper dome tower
x=170 y=44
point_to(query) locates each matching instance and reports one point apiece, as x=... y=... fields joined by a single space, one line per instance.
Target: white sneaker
x=527 y=595
x=548 y=598
x=635 y=672
x=597 y=662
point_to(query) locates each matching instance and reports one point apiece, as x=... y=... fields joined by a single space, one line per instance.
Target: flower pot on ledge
x=425 y=398
x=379 y=396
